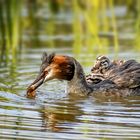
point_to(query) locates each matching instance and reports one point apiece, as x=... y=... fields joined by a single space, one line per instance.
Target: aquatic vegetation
x=113 y=19
x=92 y=27
x=9 y=26
x=33 y=23
x=87 y=22
x=137 y=28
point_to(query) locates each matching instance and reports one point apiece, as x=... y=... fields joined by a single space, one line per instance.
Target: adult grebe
x=124 y=81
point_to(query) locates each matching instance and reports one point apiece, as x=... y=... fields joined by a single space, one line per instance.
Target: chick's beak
x=97 y=65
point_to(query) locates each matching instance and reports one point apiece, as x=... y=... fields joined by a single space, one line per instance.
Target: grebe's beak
x=37 y=83
x=44 y=76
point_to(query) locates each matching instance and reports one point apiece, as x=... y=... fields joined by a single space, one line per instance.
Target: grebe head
x=102 y=63
x=53 y=67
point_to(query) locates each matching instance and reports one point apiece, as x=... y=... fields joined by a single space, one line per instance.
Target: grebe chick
x=103 y=64
x=100 y=71
x=94 y=78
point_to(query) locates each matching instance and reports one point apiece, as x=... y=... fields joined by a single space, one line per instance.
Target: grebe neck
x=78 y=83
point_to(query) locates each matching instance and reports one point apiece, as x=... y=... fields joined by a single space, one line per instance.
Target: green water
x=53 y=114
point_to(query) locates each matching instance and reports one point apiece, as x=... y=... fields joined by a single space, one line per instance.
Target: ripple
x=55 y=115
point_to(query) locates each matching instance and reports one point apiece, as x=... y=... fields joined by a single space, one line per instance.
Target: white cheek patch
x=49 y=76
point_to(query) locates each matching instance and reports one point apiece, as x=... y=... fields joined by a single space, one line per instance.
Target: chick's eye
x=102 y=63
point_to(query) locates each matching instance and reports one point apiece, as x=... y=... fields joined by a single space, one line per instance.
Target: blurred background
x=92 y=26
x=83 y=29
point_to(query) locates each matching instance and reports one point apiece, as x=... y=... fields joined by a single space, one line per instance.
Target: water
x=55 y=115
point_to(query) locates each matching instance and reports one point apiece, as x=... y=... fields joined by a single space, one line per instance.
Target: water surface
x=55 y=115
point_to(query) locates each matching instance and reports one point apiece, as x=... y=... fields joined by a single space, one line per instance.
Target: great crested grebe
x=123 y=81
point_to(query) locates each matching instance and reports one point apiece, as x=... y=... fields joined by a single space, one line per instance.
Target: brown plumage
x=122 y=81
x=103 y=64
x=102 y=68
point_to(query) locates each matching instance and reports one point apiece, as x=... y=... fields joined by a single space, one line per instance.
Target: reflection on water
x=53 y=114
